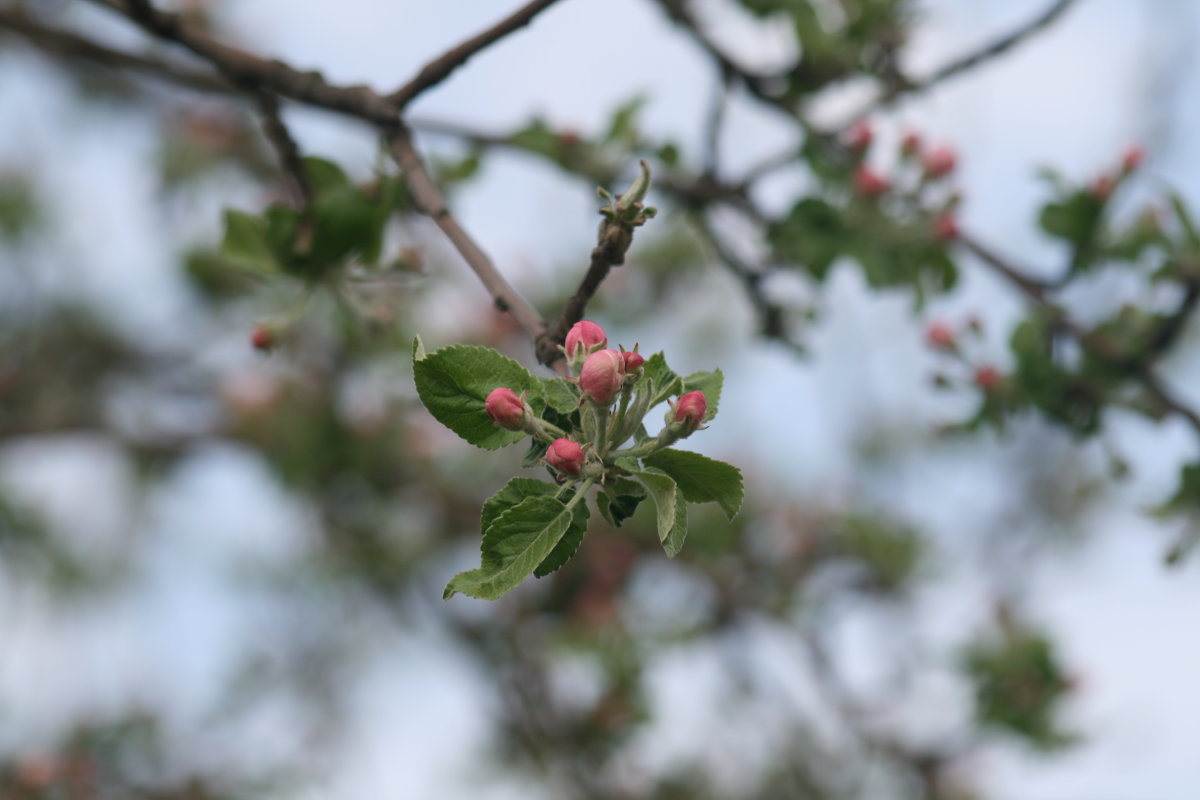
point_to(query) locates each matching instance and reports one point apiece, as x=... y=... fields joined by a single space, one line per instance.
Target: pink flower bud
x=565 y=456
x=910 y=145
x=945 y=227
x=939 y=336
x=1133 y=158
x=585 y=334
x=601 y=375
x=263 y=338
x=505 y=409
x=690 y=408
x=987 y=378
x=869 y=183
x=940 y=162
x=1102 y=187
x=633 y=361
x=858 y=138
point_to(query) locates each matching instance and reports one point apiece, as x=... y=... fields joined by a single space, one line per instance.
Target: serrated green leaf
x=620 y=500
x=702 y=479
x=246 y=245
x=344 y=222
x=515 y=492
x=561 y=395
x=454 y=382
x=518 y=541
x=666 y=382
x=1185 y=221
x=324 y=175
x=673 y=543
x=710 y=383
x=661 y=488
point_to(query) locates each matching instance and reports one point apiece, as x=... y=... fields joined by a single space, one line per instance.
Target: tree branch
x=430 y=201
x=285 y=146
x=903 y=86
x=440 y=68
x=72 y=46
x=247 y=69
x=1095 y=342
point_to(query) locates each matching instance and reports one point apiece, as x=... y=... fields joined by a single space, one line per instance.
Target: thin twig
x=904 y=86
x=1095 y=342
x=440 y=68
x=715 y=124
x=430 y=201
x=285 y=146
x=756 y=84
x=75 y=47
x=772 y=320
x=245 y=68
x=612 y=243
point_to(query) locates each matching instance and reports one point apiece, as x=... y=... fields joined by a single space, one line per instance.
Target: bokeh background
x=221 y=571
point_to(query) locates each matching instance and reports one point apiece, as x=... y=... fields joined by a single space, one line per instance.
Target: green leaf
x=710 y=383
x=518 y=490
x=673 y=543
x=245 y=245
x=324 y=175
x=453 y=383
x=620 y=500
x=814 y=233
x=561 y=395
x=518 y=541
x=344 y=221
x=666 y=382
x=701 y=479
x=1185 y=221
x=662 y=489
x=624 y=120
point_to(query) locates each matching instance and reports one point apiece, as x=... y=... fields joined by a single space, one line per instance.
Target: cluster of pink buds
x=604 y=376
x=940 y=336
x=1105 y=184
x=939 y=162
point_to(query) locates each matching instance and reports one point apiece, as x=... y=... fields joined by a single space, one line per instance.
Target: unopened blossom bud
x=945 y=227
x=689 y=410
x=940 y=162
x=910 y=145
x=584 y=337
x=602 y=375
x=505 y=408
x=565 y=456
x=1102 y=187
x=869 y=183
x=264 y=338
x=1133 y=158
x=632 y=361
x=858 y=138
x=939 y=336
x=987 y=378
